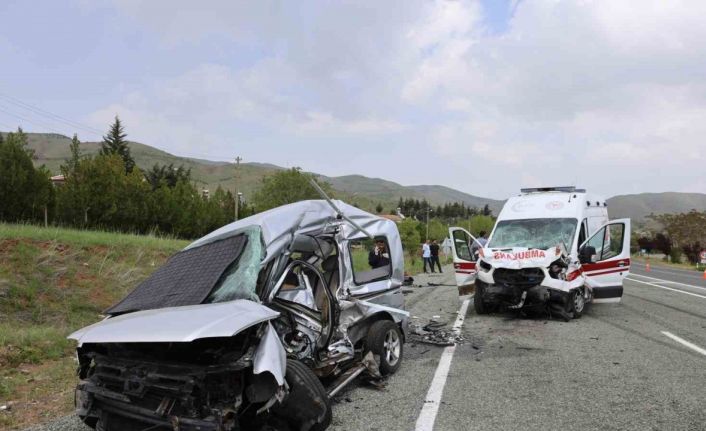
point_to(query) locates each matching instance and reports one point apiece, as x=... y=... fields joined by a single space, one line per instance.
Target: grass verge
x=52 y=282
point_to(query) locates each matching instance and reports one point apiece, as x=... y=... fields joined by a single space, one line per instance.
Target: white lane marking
x=667 y=288
x=427 y=417
x=684 y=272
x=692 y=346
x=661 y=280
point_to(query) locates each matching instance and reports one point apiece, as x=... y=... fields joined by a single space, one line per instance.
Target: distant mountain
x=638 y=206
x=52 y=150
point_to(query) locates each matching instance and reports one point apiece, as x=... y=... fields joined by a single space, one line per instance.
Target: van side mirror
x=586 y=254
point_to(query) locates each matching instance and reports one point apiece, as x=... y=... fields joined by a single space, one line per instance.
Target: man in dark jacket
x=435 y=255
x=379 y=256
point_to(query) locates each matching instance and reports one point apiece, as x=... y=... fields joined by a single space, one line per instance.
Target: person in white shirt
x=479 y=243
x=426 y=256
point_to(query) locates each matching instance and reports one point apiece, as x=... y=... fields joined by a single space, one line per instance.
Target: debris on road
x=434 y=333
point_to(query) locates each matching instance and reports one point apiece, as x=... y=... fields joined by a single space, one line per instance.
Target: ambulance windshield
x=541 y=233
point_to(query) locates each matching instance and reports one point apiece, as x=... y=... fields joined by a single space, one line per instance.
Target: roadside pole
x=236 y=196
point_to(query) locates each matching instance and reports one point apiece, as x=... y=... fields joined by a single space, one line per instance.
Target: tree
x=378 y=208
x=686 y=231
x=114 y=143
x=75 y=153
x=285 y=187
x=73 y=198
x=437 y=229
x=167 y=175
x=410 y=237
x=663 y=243
x=25 y=192
x=486 y=210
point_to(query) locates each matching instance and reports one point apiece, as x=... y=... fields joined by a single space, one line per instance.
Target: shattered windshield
x=534 y=233
x=239 y=280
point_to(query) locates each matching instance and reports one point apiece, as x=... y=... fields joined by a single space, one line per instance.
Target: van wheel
x=385 y=340
x=478 y=304
x=308 y=405
x=577 y=303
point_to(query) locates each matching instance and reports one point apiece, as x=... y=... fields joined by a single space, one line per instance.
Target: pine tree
x=486 y=210
x=114 y=143
x=75 y=157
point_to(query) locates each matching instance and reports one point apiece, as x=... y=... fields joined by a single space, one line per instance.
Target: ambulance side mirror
x=586 y=254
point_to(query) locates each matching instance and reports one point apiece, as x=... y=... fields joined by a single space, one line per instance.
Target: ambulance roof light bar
x=563 y=189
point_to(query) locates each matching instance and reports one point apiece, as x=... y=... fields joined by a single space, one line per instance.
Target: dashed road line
x=427 y=417
x=688 y=344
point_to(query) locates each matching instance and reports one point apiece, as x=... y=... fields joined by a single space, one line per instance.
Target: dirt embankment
x=48 y=288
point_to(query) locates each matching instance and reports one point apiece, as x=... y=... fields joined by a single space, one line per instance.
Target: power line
x=76 y=125
x=9 y=128
x=50 y=115
x=31 y=121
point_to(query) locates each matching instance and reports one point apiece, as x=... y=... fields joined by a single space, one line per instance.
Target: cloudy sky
x=484 y=96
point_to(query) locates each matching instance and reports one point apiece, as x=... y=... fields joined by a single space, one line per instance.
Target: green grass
x=52 y=282
x=88 y=238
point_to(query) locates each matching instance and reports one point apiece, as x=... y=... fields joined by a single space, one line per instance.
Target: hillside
x=52 y=149
x=388 y=191
x=638 y=206
x=52 y=282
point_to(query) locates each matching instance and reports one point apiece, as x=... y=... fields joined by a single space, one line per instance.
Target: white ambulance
x=551 y=249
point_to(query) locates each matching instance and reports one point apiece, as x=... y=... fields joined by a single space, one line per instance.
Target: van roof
x=551 y=202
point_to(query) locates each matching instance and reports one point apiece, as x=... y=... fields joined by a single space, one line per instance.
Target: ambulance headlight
x=485 y=266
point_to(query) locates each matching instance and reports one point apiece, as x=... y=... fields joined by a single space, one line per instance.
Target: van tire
x=304 y=385
x=385 y=340
x=478 y=304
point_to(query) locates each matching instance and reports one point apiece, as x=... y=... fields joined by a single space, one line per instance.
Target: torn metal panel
x=177 y=324
x=279 y=225
x=270 y=356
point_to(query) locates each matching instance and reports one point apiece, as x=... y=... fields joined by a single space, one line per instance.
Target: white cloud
x=570 y=88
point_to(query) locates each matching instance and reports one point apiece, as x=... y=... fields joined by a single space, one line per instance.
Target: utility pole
x=236 y=196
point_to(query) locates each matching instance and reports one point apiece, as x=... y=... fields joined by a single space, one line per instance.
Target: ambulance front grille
x=524 y=278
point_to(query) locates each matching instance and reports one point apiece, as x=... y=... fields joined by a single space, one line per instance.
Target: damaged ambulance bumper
x=517 y=283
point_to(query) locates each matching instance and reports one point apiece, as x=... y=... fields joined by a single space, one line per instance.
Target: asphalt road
x=613 y=369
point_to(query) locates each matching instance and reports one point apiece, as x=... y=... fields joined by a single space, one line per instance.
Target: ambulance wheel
x=478 y=304
x=577 y=303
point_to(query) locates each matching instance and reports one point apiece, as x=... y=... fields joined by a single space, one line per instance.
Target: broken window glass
x=370 y=260
x=239 y=281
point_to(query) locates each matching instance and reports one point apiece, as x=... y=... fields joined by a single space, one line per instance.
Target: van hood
x=177 y=324
x=521 y=257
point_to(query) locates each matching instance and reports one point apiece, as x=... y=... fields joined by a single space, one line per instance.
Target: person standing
x=426 y=256
x=434 y=247
x=479 y=243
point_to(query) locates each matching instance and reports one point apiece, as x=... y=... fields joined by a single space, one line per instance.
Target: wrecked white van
x=242 y=329
x=551 y=249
